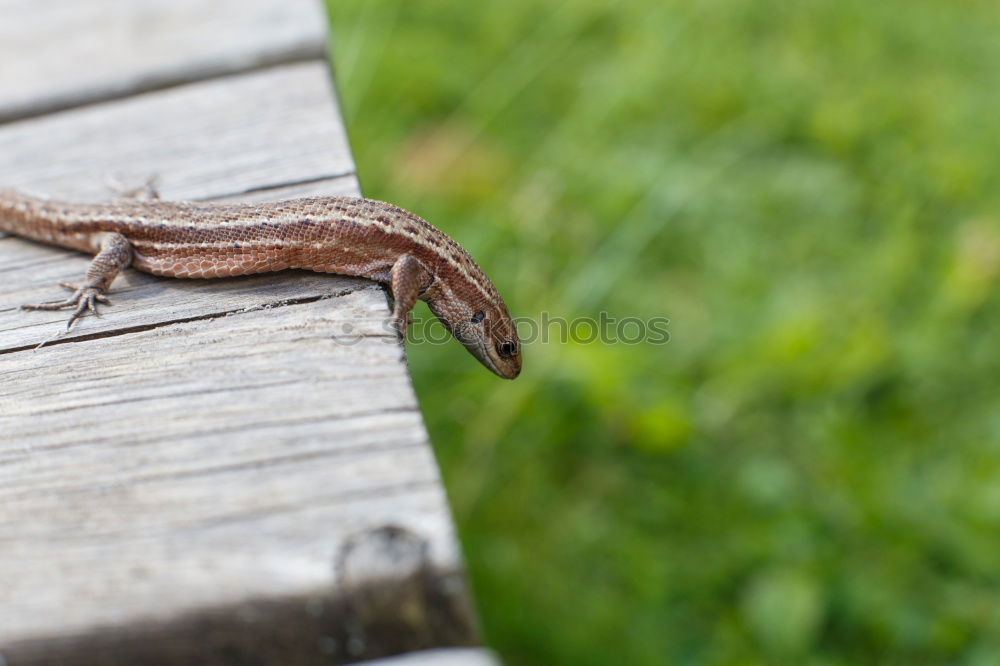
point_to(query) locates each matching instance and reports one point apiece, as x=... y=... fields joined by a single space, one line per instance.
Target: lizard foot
x=83 y=298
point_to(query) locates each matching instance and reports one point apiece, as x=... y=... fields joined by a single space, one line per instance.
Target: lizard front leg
x=115 y=254
x=409 y=280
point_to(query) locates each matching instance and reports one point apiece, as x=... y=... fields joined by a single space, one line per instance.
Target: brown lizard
x=349 y=236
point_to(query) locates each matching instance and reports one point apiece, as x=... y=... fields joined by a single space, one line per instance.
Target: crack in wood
x=291 y=183
x=184 y=320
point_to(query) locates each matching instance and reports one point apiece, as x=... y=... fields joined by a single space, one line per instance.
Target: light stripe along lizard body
x=349 y=236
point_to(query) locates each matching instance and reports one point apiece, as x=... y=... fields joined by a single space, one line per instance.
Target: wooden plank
x=61 y=54
x=295 y=137
x=211 y=467
x=211 y=139
x=178 y=490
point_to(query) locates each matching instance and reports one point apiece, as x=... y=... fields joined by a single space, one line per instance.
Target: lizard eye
x=478 y=317
x=507 y=348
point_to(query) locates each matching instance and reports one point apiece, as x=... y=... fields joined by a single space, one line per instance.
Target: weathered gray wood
x=228 y=136
x=294 y=137
x=59 y=54
x=174 y=489
x=199 y=463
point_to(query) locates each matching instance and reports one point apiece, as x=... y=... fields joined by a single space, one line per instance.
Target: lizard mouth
x=499 y=368
x=478 y=349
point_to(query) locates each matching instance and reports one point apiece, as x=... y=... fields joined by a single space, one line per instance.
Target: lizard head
x=484 y=327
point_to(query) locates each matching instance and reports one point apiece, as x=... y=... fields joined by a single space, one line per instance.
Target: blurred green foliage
x=809 y=472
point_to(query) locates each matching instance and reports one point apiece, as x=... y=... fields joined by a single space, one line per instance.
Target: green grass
x=809 y=472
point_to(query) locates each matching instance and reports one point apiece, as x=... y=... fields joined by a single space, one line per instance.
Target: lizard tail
x=7 y=206
x=10 y=203
x=17 y=214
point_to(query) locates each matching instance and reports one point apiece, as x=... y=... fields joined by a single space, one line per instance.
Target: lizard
x=344 y=235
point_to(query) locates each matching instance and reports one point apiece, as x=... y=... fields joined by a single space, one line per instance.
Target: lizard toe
x=82 y=300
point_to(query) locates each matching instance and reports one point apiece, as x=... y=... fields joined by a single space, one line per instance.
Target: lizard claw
x=94 y=294
x=83 y=299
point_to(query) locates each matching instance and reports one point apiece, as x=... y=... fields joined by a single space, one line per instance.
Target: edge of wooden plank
x=369 y=613
x=143 y=45
x=367 y=573
x=419 y=606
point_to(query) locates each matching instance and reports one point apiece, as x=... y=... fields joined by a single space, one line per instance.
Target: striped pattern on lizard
x=345 y=235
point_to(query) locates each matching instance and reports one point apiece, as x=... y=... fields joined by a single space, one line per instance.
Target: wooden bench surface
x=232 y=467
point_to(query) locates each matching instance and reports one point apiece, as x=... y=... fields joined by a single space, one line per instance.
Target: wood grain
x=220 y=153
x=181 y=466
x=61 y=54
x=209 y=139
x=205 y=452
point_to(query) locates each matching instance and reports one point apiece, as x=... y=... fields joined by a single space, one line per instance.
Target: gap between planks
x=167 y=81
x=184 y=320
